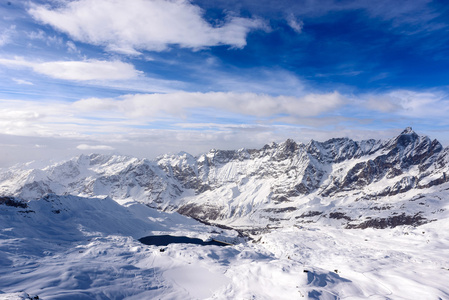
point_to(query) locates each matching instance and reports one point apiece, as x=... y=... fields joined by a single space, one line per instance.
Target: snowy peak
x=340 y=149
x=289 y=146
x=410 y=149
x=408 y=130
x=409 y=140
x=120 y=177
x=406 y=157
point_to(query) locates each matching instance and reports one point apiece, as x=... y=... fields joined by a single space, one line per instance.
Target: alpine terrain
x=339 y=219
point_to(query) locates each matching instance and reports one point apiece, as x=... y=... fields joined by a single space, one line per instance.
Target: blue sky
x=148 y=77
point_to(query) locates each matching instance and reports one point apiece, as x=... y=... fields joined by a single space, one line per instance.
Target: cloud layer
x=202 y=111
x=94 y=147
x=78 y=70
x=147 y=125
x=425 y=104
x=121 y=115
x=179 y=104
x=129 y=26
x=217 y=111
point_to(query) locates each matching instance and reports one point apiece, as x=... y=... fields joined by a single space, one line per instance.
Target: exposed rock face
x=395 y=158
x=10 y=201
x=390 y=222
x=225 y=185
x=310 y=168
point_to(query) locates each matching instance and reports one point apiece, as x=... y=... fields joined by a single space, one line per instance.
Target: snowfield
x=87 y=248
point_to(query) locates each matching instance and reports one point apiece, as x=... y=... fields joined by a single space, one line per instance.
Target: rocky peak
x=408 y=130
x=409 y=148
x=284 y=150
x=270 y=146
x=333 y=150
x=289 y=146
x=406 y=138
x=313 y=147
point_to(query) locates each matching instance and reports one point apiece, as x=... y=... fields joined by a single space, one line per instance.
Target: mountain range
x=339 y=219
x=354 y=184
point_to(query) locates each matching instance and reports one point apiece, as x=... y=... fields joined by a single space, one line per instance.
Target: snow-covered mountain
x=116 y=176
x=340 y=181
x=310 y=213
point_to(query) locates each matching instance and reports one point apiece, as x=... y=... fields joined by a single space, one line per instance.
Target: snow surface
x=86 y=248
x=291 y=206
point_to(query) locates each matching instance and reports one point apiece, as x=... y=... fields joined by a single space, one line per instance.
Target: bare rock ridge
x=344 y=180
x=311 y=167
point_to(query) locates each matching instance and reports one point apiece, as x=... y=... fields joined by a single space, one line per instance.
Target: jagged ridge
x=227 y=185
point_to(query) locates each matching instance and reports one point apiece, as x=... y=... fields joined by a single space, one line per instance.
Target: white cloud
x=129 y=26
x=179 y=104
x=295 y=23
x=95 y=147
x=124 y=125
x=78 y=70
x=37 y=35
x=71 y=47
x=87 y=70
x=17 y=62
x=53 y=41
x=203 y=111
x=133 y=113
x=410 y=103
x=6 y=35
x=21 y=81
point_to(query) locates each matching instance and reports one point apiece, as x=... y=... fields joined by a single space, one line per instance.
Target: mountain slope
x=66 y=247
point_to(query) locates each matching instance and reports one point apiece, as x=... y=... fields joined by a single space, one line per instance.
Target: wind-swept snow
x=80 y=248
